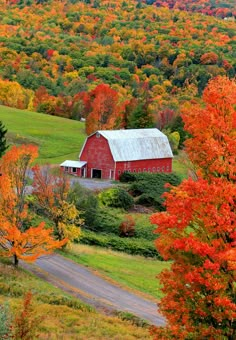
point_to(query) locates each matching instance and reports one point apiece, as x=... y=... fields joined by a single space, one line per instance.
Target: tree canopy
x=197 y=231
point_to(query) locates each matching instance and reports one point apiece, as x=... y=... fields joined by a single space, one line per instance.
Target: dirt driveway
x=92 y=289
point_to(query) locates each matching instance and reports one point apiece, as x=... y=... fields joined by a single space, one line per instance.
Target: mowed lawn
x=135 y=272
x=58 y=138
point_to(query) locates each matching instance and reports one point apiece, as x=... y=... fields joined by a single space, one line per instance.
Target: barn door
x=111 y=174
x=96 y=173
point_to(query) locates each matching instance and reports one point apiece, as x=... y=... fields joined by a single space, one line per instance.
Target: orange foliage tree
x=198 y=231
x=15 y=239
x=105 y=109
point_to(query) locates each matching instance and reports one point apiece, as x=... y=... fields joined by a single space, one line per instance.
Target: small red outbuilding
x=107 y=154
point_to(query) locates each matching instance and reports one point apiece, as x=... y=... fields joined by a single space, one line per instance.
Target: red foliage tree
x=105 y=109
x=209 y=58
x=197 y=231
x=165 y=117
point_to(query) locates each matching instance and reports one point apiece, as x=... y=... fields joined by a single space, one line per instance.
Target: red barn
x=106 y=154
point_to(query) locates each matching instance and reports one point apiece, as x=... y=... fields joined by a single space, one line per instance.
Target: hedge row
x=131 y=246
x=148 y=188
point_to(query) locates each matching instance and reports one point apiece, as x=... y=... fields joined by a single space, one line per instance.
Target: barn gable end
x=96 y=152
x=109 y=153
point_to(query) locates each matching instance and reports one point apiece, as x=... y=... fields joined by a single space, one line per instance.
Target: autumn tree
x=51 y=193
x=3 y=142
x=15 y=239
x=105 y=109
x=197 y=231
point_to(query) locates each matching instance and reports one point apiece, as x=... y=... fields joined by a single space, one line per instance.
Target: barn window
x=163 y=168
x=98 y=135
x=144 y=170
x=66 y=168
x=139 y=170
x=129 y=170
x=134 y=170
x=149 y=170
x=154 y=169
x=167 y=168
x=158 y=169
x=74 y=170
x=118 y=172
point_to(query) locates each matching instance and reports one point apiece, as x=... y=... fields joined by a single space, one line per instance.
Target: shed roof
x=136 y=144
x=73 y=164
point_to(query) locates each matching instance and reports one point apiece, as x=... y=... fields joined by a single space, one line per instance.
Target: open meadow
x=58 y=138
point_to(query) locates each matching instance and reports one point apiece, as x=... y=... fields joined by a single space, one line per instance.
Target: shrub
x=107 y=220
x=127 y=177
x=86 y=202
x=149 y=188
x=117 y=198
x=127 y=227
x=26 y=323
x=131 y=246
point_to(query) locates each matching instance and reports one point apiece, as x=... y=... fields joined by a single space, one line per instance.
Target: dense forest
x=117 y=63
x=218 y=8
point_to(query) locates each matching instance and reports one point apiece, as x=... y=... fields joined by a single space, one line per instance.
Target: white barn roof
x=136 y=144
x=73 y=164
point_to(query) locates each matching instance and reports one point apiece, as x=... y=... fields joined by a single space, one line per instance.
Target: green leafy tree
x=3 y=142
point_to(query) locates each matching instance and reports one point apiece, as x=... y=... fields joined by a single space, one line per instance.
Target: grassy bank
x=135 y=272
x=63 y=317
x=58 y=138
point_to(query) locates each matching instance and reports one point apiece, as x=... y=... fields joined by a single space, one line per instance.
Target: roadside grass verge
x=58 y=138
x=64 y=317
x=135 y=272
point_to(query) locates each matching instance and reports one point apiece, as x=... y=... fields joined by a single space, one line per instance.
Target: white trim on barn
x=73 y=164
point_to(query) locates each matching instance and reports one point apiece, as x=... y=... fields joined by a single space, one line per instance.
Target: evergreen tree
x=3 y=142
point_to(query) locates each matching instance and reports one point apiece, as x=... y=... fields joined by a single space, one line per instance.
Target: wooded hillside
x=152 y=60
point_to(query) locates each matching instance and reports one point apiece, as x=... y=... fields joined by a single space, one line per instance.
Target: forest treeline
x=218 y=8
x=116 y=63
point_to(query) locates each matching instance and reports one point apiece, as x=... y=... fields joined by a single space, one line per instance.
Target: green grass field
x=58 y=138
x=135 y=272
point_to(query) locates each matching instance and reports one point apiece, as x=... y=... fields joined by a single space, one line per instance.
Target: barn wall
x=97 y=154
x=150 y=165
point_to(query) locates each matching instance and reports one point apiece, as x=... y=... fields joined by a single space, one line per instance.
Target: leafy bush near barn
x=148 y=188
x=108 y=221
x=133 y=246
x=86 y=202
x=116 y=198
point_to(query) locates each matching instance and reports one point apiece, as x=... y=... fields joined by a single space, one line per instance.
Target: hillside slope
x=53 y=53
x=57 y=138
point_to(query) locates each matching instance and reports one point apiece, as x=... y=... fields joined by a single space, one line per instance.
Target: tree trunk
x=16 y=260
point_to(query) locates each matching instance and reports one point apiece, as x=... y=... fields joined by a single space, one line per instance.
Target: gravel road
x=82 y=283
x=92 y=184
